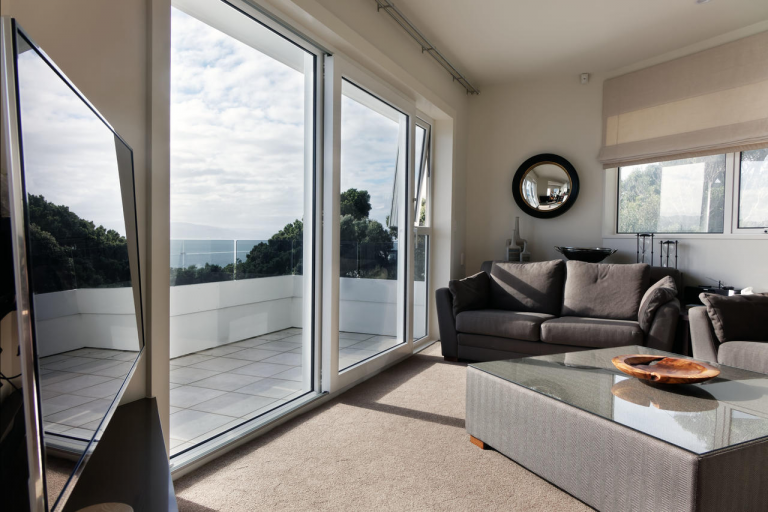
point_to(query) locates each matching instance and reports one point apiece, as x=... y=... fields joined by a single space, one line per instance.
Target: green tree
x=68 y=252
x=368 y=249
x=356 y=203
x=282 y=254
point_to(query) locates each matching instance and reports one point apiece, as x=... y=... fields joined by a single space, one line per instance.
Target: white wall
x=510 y=123
x=736 y=262
x=212 y=314
x=207 y=315
x=86 y=317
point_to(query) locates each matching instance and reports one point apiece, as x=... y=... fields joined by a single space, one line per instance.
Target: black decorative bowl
x=587 y=254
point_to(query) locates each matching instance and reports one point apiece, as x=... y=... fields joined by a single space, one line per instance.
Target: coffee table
x=618 y=443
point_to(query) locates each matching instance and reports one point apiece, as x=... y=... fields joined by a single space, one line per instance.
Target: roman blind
x=714 y=101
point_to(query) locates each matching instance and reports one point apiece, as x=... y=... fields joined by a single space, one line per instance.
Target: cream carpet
x=395 y=442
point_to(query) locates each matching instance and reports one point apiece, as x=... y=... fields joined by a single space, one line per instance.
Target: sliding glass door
x=367 y=186
x=242 y=221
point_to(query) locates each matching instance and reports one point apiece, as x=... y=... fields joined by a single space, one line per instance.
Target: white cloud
x=368 y=154
x=69 y=153
x=237 y=132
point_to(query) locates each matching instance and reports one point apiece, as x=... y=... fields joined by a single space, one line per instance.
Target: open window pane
x=677 y=196
x=370 y=207
x=241 y=175
x=753 y=189
x=420 y=286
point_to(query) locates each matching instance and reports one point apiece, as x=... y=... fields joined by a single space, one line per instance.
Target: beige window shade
x=714 y=101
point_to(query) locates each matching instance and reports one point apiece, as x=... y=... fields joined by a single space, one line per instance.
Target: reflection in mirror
x=83 y=260
x=546 y=187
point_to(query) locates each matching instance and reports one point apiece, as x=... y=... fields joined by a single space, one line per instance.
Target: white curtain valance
x=714 y=101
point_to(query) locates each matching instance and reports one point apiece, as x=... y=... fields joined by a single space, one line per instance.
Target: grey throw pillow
x=603 y=290
x=529 y=287
x=470 y=293
x=662 y=291
x=738 y=317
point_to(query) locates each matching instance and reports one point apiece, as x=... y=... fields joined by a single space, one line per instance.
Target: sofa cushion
x=655 y=274
x=591 y=332
x=470 y=293
x=531 y=287
x=501 y=323
x=747 y=355
x=738 y=317
x=599 y=290
x=662 y=291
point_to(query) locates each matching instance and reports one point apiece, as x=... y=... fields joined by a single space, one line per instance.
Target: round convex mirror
x=545 y=186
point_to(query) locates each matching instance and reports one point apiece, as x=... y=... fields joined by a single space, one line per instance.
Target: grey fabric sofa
x=536 y=309
x=747 y=349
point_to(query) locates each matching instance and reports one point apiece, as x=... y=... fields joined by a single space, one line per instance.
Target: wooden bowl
x=664 y=370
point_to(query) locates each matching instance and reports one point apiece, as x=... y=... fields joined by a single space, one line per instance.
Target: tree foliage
x=68 y=252
x=356 y=203
x=368 y=250
x=640 y=200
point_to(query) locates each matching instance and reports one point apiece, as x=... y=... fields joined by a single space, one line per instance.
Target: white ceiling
x=497 y=41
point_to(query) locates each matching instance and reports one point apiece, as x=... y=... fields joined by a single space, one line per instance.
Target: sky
x=69 y=153
x=237 y=139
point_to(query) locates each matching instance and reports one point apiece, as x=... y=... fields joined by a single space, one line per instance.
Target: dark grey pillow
x=662 y=291
x=530 y=287
x=602 y=290
x=738 y=317
x=472 y=292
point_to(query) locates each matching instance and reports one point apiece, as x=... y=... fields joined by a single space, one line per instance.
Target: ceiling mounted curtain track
x=426 y=46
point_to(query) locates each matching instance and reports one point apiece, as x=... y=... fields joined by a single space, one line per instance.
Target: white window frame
x=731 y=231
x=313 y=186
x=425 y=122
x=737 y=201
x=336 y=69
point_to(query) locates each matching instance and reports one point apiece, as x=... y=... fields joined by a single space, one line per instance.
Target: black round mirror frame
x=534 y=161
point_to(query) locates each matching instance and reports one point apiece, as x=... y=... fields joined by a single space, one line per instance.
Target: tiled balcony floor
x=77 y=388
x=211 y=390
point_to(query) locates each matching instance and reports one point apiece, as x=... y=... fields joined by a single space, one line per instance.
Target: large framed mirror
x=73 y=221
x=545 y=186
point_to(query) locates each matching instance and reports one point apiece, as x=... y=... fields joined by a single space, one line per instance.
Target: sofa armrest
x=702 y=338
x=447 y=324
x=661 y=335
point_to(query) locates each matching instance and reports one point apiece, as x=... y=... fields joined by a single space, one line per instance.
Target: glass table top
x=725 y=411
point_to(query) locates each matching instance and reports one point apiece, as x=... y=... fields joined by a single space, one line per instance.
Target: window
x=242 y=206
x=422 y=222
x=370 y=204
x=676 y=196
x=753 y=189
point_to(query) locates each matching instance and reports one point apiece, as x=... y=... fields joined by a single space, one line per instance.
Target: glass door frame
x=312 y=262
x=425 y=122
x=337 y=69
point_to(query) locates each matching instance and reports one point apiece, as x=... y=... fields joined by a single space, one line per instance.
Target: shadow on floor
x=365 y=395
x=191 y=506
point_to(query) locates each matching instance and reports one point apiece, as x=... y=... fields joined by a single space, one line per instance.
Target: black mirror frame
x=545 y=158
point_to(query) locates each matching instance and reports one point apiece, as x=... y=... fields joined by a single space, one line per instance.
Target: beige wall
x=513 y=122
x=510 y=123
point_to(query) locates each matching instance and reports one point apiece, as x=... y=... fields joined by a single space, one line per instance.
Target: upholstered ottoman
x=617 y=443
